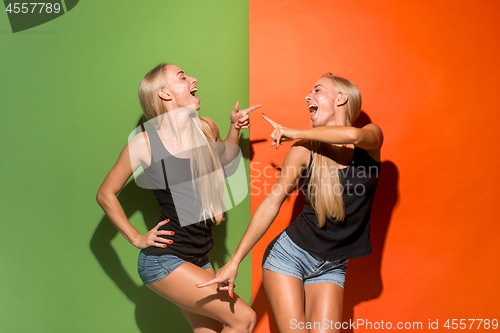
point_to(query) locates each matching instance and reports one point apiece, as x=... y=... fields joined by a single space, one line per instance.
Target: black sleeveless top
x=351 y=237
x=191 y=242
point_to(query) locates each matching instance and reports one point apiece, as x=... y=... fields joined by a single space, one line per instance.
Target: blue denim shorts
x=154 y=268
x=285 y=257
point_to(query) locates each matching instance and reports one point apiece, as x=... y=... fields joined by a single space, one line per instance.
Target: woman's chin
x=316 y=123
x=315 y=119
x=197 y=103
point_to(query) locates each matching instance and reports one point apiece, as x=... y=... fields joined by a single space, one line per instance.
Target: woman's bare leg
x=324 y=305
x=200 y=323
x=286 y=295
x=179 y=288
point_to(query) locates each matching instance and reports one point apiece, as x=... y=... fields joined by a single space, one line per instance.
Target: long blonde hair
x=324 y=187
x=202 y=164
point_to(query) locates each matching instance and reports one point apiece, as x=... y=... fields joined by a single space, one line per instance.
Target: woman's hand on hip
x=152 y=237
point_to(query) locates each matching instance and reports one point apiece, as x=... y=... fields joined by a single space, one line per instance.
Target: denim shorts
x=285 y=257
x=154 y=268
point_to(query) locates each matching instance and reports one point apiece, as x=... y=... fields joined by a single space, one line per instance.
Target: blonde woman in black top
x=304 y=266
x=174 y=253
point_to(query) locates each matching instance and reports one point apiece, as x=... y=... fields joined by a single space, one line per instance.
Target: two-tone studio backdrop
x=428 y=75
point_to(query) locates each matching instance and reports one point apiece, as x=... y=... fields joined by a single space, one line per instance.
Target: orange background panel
x=429 y=76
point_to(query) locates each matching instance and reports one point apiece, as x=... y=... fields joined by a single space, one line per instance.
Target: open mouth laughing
x=313 y=108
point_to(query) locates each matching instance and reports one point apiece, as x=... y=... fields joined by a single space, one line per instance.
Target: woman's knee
x=245 y=320
x=252 y=320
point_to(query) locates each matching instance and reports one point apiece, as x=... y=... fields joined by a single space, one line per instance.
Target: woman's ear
x=341 y=100
x=165 y=95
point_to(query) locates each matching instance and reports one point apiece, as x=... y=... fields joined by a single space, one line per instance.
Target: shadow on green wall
x=153 y=313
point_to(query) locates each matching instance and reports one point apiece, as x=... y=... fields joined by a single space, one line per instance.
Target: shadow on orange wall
x=364 y=278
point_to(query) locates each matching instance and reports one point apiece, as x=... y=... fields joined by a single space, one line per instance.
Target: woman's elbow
x=366 y=139
x=99 y=197
x=102 y=197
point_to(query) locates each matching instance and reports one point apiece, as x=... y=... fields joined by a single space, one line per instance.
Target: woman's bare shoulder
x=299 y=154
x=139 y=148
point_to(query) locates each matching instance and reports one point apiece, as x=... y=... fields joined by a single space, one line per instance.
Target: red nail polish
x=170 y=242
x=172 y=233
x=168 y=220
x=263 y=114
x=164 y=245
x=196 y=285
x=231 y=295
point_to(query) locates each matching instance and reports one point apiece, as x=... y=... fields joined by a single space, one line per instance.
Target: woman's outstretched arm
x=369 y=137
x=296 y=159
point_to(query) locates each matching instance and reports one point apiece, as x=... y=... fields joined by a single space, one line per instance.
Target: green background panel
x=68 y=97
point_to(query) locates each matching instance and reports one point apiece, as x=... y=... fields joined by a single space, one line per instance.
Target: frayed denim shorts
x=285 y=257
x=154 y=268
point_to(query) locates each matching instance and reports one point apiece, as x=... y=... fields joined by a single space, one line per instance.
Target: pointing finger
x=274 y=124
x=209 y=283
x=252 y=108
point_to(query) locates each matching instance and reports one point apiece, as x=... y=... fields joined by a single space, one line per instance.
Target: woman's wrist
x=235 y=259
x=134 y=239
